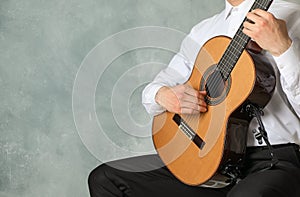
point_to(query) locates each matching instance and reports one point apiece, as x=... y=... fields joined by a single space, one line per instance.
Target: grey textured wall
x=70 y=93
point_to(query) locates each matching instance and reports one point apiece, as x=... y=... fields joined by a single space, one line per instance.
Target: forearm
x=288 y=65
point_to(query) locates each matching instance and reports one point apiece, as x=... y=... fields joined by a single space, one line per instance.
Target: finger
x=194 y=96
x=249 y=29
x=203 y=92
x=190 y=98
x=202 y=103
x=261 y=13
x=196 y=106
x=202 y=95
x=248 y=25
x=192 y=101
x=191 y=91
x=193 y=111
x=248 y=32
x=189 y=111
x=201 y=106
x=252 y=18
x=192 y=106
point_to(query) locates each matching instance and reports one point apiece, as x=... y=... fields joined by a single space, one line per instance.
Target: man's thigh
x=147 y=176
x=281 y=181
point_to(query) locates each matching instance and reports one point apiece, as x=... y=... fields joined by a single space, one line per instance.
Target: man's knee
x=239 y=193
x=266 y=192
x=98 y=175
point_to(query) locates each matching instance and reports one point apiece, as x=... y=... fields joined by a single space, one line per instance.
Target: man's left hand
x=267 y=31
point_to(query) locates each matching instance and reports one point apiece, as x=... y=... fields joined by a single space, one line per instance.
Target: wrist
x=158 y=95
x=284 y=47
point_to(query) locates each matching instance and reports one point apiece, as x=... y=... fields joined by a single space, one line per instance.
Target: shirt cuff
x=286 y=63
x=152 y=107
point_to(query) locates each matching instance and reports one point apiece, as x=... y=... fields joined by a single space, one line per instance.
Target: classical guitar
x=208 y=149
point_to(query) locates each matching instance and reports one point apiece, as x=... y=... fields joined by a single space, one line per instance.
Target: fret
x=242 y=37
x=238 y=48
x=260 y=5
x=238 y=44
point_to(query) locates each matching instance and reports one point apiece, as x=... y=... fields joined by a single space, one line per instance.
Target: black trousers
x=146 y=176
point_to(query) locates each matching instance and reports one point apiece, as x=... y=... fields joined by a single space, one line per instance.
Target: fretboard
x=238 y=43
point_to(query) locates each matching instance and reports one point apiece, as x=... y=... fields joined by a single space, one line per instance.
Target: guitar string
x=224 y=66
x=223 y=63
x=264 y=6
x=238 y=46
x=231 y=48
x=235 y=44
x=244 y=37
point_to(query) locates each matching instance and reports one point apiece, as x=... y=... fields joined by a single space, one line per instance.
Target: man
x=277 y=32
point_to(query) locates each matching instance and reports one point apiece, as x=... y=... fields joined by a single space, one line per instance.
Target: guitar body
x=206 y=149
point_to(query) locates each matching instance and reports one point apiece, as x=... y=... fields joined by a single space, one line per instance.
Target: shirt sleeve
x=177 y=72
x=289 y=67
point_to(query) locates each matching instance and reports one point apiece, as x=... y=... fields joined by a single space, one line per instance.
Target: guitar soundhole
x=216 y=87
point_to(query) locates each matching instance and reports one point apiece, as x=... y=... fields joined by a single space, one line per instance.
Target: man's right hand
x=181 y=99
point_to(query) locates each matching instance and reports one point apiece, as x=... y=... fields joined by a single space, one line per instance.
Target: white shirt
x=281 y=115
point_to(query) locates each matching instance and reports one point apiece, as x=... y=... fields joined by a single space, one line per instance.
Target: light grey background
x=42 y=45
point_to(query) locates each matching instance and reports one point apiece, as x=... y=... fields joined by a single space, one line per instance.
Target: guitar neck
x=238 y=43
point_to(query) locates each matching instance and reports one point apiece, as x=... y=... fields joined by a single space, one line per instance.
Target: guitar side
x=195 y=163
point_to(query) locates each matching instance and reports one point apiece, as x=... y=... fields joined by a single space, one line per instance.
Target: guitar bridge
x=188 y=131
